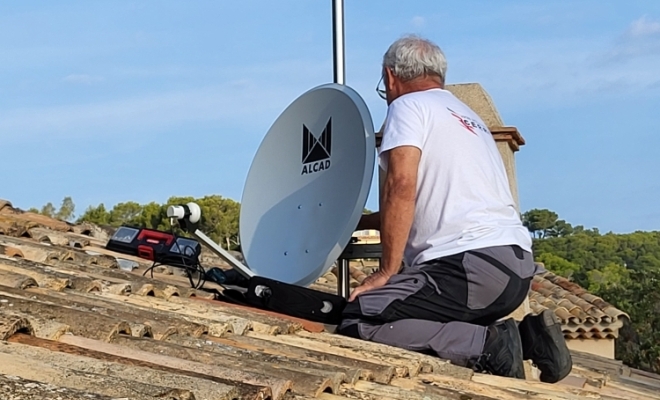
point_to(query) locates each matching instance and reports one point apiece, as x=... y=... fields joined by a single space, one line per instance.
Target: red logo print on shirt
x=467 y=122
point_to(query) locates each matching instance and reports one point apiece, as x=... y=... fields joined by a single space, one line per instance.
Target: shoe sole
x=548 y=348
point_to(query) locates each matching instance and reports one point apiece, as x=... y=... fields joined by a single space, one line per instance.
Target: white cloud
x=549 y=73
x=418 y=22
x=559 y=72
x=640 y=40
x=82 y=79
x=643 y=27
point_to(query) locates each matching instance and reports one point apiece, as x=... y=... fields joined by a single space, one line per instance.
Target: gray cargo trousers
x=443 y=307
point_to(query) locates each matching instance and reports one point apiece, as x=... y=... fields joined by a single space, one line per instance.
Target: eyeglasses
x=381 y=92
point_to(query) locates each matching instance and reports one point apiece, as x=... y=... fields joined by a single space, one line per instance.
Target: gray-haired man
x=448 y=213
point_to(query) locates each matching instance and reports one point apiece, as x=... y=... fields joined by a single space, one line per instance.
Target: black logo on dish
x=316 y=151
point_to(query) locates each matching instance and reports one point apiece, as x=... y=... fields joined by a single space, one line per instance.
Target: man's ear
x=389 y=79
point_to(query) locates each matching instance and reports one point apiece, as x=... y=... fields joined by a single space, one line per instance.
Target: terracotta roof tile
x=9 y=213
x=582 y=313
x=5 y=204
x=73 y=323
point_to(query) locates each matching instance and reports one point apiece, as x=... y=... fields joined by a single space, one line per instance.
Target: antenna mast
x=338 y=41
x=343 y=276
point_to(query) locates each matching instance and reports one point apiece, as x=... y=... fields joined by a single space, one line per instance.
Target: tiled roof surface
x=74 y=325
x=583 y=315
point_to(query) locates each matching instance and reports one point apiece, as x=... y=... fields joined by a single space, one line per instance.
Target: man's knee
x=378 y=305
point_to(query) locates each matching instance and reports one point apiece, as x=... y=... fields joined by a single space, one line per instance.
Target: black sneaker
x=502 y=354
x=544 y=344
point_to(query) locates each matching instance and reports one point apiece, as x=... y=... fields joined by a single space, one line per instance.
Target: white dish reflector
x=308 y=185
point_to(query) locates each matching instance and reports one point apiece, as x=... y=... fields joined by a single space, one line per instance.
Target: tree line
x=219 y=216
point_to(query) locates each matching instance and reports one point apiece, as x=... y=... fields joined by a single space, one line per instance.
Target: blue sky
x=140 y=100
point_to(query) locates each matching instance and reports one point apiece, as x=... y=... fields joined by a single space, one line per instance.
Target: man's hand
x=373 y=281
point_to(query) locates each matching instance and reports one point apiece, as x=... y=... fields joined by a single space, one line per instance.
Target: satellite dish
x=308 y=185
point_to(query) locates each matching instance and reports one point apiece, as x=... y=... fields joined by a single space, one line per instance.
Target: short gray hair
x=412 y=56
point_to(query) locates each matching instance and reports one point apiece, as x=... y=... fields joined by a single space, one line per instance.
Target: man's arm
x=398 y=209
x=398 y=205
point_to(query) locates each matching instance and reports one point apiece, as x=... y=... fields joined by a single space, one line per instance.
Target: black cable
x=195 y=267
x=153 y=266
x=190 y=269
x=182 y=254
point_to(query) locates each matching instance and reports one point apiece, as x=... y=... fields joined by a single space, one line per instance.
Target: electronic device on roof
x=153 y=245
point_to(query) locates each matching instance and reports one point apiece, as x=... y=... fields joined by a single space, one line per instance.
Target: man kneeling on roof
x=448 y=214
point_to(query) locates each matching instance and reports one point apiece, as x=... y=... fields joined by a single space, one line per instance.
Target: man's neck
x=419 y=85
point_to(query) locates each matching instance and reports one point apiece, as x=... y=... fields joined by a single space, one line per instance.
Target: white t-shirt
x=463 y=197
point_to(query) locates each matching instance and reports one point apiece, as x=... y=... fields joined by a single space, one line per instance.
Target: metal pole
x=224 y=254
x=343 y=275
x=343 y=278
x=338 y=40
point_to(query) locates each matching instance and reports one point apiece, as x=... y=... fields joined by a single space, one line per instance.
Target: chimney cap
x=508 y=134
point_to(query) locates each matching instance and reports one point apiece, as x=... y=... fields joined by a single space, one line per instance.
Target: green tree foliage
x=623 y=269
x=558 y=265
x=65 y=212
x=638 y=344
x=125 y=213
x=152 y=215
x=540 y=222
x=97 y=215
x=560 y=228
x=610 y=276
x=48 y=210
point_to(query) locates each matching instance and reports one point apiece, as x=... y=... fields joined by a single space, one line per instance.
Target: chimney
x=508 y=141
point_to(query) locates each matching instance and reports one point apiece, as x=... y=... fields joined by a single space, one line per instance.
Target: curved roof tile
x=575 y=307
